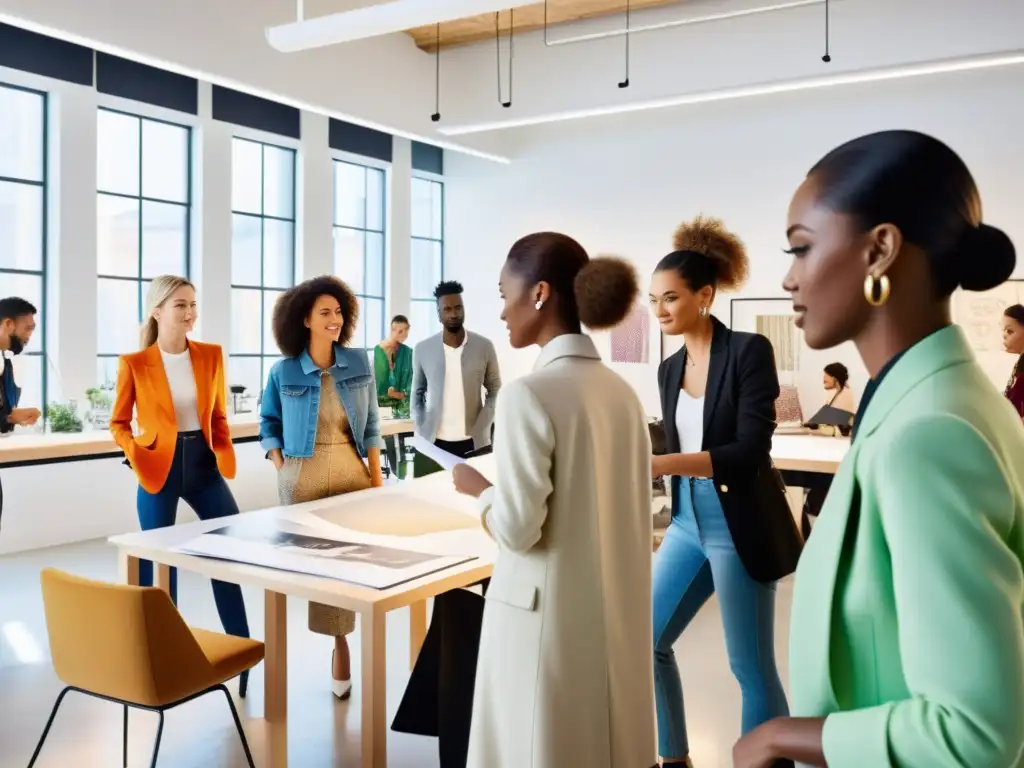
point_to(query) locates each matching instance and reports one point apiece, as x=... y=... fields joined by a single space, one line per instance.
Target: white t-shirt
x=690 y=422
x=452 y=425
x=182 y=382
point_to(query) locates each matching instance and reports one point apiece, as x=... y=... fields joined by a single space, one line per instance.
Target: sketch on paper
x=631 y=340
x=981 y=317
x=981 y=314
x=782 y=332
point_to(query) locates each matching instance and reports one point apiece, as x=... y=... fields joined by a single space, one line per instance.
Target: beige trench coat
x=564 y=676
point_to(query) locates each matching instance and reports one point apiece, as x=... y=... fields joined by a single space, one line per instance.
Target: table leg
x=128 y=568
x=162 y=576
x=417 y=629
x=275 y=661
x=373 y=647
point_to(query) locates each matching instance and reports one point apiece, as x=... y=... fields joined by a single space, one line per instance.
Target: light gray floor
x=321 y=731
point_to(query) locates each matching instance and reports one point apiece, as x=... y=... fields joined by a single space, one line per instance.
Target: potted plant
x=63 y=417
x=101 y=404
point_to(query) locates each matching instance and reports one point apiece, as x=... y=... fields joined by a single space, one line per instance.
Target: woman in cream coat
x=564 y=672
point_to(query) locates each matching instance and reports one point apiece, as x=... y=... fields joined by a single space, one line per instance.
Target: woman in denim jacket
x=319 y=423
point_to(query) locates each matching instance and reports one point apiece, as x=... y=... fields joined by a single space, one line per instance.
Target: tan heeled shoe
x=341 y=688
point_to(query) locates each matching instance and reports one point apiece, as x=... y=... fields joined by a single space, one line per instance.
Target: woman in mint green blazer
x=907 y=639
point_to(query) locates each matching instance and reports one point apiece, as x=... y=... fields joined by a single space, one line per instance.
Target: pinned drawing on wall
x=981 y=317
x=631 y=340
x=775 y=320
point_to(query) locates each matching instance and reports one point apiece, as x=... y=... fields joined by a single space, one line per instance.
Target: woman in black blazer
x=732 y=532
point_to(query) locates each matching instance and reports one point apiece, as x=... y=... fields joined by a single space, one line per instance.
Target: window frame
x=144 y=115
x=367 y=164
x=440 y=241
x=42 y=272
x=254 y=137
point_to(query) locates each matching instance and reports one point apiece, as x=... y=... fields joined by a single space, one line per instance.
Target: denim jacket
x=291 y=403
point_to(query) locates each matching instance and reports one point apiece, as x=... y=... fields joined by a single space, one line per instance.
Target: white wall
x=620 y=185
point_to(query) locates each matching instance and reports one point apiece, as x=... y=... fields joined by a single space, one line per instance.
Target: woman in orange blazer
x=175 y=387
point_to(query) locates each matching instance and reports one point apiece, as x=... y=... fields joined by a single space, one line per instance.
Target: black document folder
x=831 y=417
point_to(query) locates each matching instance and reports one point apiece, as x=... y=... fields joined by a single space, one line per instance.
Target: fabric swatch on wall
x=631 y=341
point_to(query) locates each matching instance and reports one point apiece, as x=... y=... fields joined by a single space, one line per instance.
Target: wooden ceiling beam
x=529 y=18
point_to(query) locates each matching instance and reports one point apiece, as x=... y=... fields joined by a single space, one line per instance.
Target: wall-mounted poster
x=800 y=367
x=981 y=317
x=631 y=339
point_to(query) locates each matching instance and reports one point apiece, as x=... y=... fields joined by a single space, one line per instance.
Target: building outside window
x=427 y=255
x=359 y=252
x=262 y=255
x=143 y=229
x=23 y=225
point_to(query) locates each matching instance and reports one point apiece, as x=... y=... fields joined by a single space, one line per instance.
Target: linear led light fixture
x=938 y=67
x=374 y=20
x=224 y=82
x=723 y=16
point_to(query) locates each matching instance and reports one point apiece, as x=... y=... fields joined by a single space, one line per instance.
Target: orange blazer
x=142 y=387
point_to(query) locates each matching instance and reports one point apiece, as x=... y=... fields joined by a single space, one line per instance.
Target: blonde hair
x=160 y=290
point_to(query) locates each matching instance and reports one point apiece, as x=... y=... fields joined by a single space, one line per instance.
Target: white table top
x=437 y=507
x=30 y=446
x=809 y=453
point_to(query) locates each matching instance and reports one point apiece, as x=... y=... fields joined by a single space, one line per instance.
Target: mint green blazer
x=907 y=630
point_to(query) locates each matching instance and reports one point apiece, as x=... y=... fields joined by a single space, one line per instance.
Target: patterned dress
x=334 y=468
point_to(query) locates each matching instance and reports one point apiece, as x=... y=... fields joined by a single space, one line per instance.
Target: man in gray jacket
x=449 y=373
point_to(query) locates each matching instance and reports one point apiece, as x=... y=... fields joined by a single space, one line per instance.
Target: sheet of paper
x=292 y=547
x=443 y=458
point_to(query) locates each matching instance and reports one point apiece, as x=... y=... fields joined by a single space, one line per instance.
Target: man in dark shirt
x=17 y=322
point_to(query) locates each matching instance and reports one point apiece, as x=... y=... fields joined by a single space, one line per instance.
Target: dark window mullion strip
x=263 y=255
x=141 y=228
x=25 y=182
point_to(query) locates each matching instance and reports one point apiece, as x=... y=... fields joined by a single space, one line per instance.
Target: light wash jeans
x=696 y=559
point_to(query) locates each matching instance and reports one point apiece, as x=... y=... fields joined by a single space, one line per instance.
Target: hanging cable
x=497 y=48
x=828 y=56
x=625 y=82
x=436 y=117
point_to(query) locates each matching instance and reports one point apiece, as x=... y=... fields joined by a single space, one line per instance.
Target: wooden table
x=24 y=448
x=372 y=605
x=808 y=460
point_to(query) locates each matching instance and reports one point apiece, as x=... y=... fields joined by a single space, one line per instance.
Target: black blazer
x=739 y=421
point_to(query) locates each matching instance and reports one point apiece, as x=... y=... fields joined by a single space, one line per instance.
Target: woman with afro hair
x=732 y=533
x=319 y=422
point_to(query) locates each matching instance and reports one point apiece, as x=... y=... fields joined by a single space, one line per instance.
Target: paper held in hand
x=446 y=460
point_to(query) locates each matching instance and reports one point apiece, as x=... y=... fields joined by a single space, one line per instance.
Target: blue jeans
x=696 y=559
x=195 y=478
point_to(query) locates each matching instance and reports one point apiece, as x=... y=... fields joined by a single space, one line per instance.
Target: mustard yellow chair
x=129 y=645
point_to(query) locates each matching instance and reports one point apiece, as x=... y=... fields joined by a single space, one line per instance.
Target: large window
x=262 y=255
x=23 y=225
x=427 y=255
x=143 y=172
x=359 y=244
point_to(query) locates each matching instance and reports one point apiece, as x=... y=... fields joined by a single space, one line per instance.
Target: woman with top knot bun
x=564 y=670
x=732 y=533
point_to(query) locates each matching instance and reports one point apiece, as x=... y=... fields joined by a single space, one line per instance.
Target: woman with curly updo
x=564 y=670
x=319 y=422
x=732 y=533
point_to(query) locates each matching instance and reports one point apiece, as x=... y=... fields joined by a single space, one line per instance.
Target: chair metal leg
x=46 y=730
x=243 y=684
x=238 y=725
x=125 y=745
x=159 y=733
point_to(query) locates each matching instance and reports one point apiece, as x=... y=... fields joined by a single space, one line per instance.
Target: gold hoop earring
x=883 y=288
